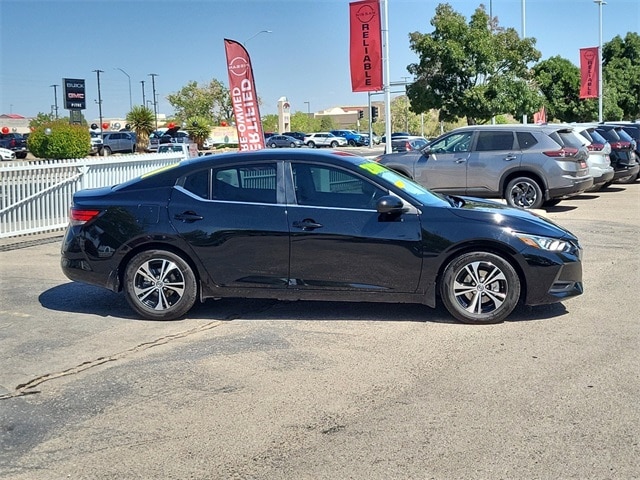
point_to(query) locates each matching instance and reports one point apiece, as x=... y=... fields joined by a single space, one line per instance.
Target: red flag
x=243 y=97
x=540 y=116
x=365 y=53
x=589 y=77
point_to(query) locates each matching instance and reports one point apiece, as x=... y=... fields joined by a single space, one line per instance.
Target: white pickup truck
x=189 y=150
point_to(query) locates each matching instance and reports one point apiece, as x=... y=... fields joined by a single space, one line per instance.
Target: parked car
x=118 y=142
x=623 y=159
x=402 y=144
x=96 y=143
x=187 y=150
x=324 y=139
x=598 y=161
x=633 y=130
x=354 y=139
x=302 y=224
x=298 y=135
x=276 y=141
x=6 y=154
x=395 y=135
x=527 y=165
x=14 y=142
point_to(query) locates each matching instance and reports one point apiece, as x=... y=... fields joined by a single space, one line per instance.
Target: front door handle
x=307 y=224
x=460 y=160
x=188 y=217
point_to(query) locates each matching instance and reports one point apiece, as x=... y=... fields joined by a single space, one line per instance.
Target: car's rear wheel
x=311 y=145
x=273 y=145
x=334 y=144
x=105 y=152
x=159 y=285
x=480 y=288
x=524 y=192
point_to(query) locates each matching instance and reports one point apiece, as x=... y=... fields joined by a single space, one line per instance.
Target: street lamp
x=144 y=103
x=255 y=35
x=600 y=3
x=129 y=78
x=308 y=108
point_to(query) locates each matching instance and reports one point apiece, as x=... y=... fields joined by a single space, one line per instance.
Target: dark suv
x=14 y=142
x=623 y=156
x=527 y=165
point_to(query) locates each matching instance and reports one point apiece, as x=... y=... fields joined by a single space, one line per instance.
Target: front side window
x=326 y=186
x=246 y=183
x=456 y=142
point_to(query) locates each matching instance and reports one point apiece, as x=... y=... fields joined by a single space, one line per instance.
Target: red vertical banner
x=540 y=116
x=365 y=53
x=589 y=72
x=244 y=99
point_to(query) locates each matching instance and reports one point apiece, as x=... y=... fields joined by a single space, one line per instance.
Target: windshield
x=420 y=193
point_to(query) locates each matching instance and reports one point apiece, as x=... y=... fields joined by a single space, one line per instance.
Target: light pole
x=255 y=35
x=98 y=72
x=600 y=3
x=155 y=103
x=129 y=78
x=55 y=98
x=308 y=104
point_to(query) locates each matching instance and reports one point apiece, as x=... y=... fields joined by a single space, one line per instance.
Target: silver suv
x=527 y=165
x=114 y=142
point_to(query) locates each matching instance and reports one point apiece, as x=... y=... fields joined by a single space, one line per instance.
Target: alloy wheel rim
x=159 y=284
x=480 y=288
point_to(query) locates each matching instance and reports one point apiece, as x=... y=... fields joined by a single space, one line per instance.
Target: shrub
x=59 y=140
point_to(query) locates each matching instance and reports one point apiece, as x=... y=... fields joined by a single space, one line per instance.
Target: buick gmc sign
x=74 y=97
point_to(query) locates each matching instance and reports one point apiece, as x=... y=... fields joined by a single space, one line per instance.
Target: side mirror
x=389 y=204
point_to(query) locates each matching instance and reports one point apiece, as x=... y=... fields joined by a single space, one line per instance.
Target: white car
x=598 y=162
x=6 y=154
x=324 y=139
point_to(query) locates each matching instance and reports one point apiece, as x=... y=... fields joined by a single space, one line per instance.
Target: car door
x=494 y=153
x=340 y=242
x=444 y=168
x=235 y=221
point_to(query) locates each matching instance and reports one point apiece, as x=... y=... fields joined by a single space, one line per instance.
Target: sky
x=304 y=56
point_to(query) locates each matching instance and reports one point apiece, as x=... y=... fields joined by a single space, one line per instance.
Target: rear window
x=569 y=139
x=488 y=141
x=609 y=134
x=596 y=137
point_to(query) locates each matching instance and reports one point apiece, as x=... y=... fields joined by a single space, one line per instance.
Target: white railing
x=35 y=197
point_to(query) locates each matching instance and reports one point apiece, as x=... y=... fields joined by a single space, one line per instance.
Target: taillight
x=595 y=147
x=407 y=146
x=620 y=145
x=562 y=153
x=80 y=216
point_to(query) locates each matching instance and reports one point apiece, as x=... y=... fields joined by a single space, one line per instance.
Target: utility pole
x=144 y=101
x=128 y=78
x=98 y=72
x=600 y=3
x=55 y=98
x=155 y=102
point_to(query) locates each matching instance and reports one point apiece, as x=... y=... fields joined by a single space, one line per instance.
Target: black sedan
x=302 y=224
x=276 y=141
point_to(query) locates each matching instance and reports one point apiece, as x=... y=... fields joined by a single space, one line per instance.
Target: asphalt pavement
x=261 y=389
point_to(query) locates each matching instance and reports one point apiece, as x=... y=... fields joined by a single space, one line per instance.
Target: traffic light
x=374 y=113
x=360 y=114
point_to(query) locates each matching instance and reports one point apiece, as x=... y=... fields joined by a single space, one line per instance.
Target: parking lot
x=295 y=390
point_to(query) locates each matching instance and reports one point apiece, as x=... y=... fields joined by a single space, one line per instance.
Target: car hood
x=517 y=219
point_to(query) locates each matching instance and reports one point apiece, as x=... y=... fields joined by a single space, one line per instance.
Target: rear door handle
x=307 y=225
x=188 y=217
x=510 y=157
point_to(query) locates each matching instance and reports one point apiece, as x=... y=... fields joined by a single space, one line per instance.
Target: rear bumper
x=579 y=186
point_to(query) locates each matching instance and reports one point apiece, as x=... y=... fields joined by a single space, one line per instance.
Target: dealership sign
x=74 y=96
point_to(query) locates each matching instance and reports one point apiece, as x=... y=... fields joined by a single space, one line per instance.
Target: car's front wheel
x=524 y=192
x=334 y=144
x=159 y=285
x=480 y=288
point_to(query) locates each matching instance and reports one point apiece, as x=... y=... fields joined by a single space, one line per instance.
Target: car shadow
x=85 y=299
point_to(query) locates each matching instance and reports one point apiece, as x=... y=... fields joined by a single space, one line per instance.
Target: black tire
x=159 y=285
x=105 y=152
x=334 y=144
x=480 y=288
x=352 y=143
x=292 y=145
x=21 y=155
x=524 y=192
x=273 y=145
x=311 y=145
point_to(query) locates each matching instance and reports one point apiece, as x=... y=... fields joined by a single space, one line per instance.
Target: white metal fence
x=35 y=197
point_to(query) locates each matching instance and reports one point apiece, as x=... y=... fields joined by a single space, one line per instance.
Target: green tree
x=270 y=122
x=559 y=81
x=142 y=122
x=211 y=101
x=621 y=72
x=474 y=70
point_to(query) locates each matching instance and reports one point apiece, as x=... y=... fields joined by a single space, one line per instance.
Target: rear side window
x=248 y=183
x=526 y=140
x=198 y=184
x=488 y=141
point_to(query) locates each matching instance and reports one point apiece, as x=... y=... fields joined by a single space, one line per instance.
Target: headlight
x=545 y=243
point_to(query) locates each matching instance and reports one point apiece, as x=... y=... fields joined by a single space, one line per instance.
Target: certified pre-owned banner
x=243 y=97
x=589 y=72
x=366 y=46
